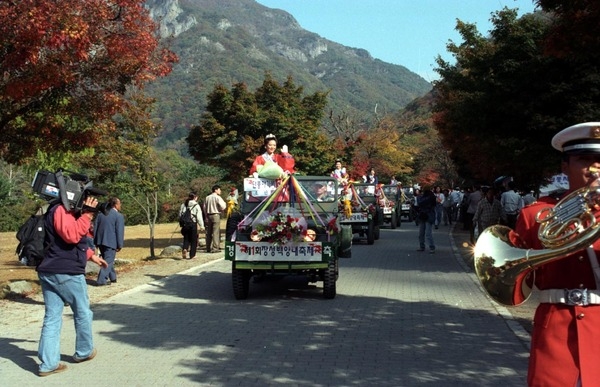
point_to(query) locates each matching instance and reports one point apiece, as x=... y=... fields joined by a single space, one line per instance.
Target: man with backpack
x=190 y=217
x=62 y=277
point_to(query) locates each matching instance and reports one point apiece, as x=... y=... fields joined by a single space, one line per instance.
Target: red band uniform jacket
x=566 y=339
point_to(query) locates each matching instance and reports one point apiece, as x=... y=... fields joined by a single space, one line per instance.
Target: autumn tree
x=64 y=68
x=380 y=148
x=231 y=132
x=430 y=162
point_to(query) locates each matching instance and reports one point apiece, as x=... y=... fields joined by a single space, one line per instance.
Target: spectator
x=489 y=211
x=447 y=207
x=456 y=197
x=190 y=231
x=426 y=214
x=214 y=206
x=512 y=203
x=464 y=205
x=472 y=202
x=414 y=207
x=109 y=237
x=528 y=199
x=62 y=277
x=439 y=207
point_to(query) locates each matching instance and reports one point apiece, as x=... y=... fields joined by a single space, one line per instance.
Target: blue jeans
x=426 y=232
x=57 y=290
x=439 y=211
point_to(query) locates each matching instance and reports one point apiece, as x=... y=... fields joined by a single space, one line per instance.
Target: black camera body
x=70 y=188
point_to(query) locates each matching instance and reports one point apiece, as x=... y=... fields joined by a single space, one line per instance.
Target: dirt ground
x=134 y=265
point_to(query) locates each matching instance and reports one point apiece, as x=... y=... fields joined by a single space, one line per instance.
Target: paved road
x=401 y=318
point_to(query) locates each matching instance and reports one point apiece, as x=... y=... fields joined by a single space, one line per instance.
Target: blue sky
x=410 y=33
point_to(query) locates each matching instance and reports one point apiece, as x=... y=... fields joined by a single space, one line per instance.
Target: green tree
x=127 y=162
x=496 y=109
x=231 y=132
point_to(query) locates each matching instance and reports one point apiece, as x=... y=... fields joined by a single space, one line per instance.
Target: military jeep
x=287 y=228
x=389 y=205
x=366 y=217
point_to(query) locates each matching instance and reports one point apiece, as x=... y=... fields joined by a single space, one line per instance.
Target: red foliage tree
x=65 y=67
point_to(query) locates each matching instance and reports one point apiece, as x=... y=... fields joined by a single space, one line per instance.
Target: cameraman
x=62 y=277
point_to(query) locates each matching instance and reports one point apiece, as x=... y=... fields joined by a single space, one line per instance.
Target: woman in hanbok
x=284 y=160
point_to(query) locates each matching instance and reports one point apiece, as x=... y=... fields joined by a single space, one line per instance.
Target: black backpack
x=31 y=235
x=186 y=220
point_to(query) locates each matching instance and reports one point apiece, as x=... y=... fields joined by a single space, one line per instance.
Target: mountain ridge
x=231 y=41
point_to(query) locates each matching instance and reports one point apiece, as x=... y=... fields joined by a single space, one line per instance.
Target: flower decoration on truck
x=332 y=225
x=278 y=228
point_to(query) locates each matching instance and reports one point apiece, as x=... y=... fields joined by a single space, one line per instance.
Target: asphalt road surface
x=400 y=318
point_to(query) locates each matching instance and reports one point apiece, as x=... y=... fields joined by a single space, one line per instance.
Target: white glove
x=284 y=149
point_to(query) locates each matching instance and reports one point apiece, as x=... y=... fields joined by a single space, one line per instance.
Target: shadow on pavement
x=351 y=340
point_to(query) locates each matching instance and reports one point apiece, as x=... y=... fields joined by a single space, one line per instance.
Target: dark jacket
x=109 y=229
x=426 y=206
x=62 y=257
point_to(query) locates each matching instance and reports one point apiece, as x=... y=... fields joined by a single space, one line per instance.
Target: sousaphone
x=506 y=271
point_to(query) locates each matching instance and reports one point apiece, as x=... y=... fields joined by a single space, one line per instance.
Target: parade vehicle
x=287 y=227
x=390 y=205
x=361 y=210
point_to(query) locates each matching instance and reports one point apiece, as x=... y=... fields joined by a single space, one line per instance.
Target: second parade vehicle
x=362 y=211
x=287 y=227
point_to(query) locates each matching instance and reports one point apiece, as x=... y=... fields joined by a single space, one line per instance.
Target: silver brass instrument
x=506 y=271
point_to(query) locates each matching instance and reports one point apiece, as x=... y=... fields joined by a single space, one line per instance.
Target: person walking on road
x=426 y=214
x=214 y=206
x=62 y=277
x=566 y=327
x=109 y=236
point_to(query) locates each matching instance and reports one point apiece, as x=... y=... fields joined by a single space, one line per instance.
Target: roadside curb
x=511 y=322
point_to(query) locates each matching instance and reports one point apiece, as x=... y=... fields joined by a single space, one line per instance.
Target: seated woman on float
x=271 y=165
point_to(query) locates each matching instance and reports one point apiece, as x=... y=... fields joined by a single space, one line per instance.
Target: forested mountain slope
x=230 y=41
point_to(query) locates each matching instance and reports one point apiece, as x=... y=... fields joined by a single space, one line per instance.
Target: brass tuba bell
x=506 y=271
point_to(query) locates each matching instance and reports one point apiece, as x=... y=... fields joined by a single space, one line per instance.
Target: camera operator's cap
x=578 y=139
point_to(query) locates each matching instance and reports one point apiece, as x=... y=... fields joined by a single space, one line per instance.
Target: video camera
x=71 y=188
